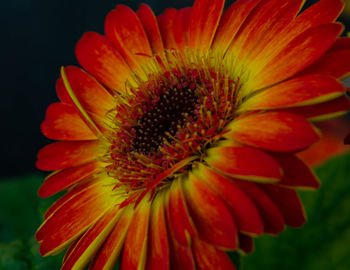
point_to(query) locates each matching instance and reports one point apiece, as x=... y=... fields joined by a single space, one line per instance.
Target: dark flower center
x=165 y=117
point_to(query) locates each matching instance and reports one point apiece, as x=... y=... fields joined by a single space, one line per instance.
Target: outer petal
x=166 y=25
x=61 y=180
x=289 y=204
x=245 y=163
x=179 y=220
x=210 y=214
x=150 y=25
x=181 y=27
x=244 y=211
x=90 y=242
x=62 y=155
x=181 y=256
x=208 y=257
x=205 y=19
x=270 y=213
x=158 y=247
x=109 y=252
x=135 y=247
x=74 y=217
x=275 y=131
x=62 y=122
x=300 y=91
x=125 y=30
x=97 y=56
x=231 y=21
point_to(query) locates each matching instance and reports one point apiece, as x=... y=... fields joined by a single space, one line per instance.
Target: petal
x=300 y=91
x=246 y=244
x=179 y=220
x=210 y=214
x=63 y=122
x=135 y=247
x=244 y=211
x=181 y=27
x=270 y=213
x=205 y=19
x=93 y=97
x=158 y=247
x=342 y=43
x=245 y=163
x=296 y=173
x=181 y=256
x=62 y=155
x=208 y=257
x=297 y=55
x=150 y=25
x=166 y=26
x=97 y=56
x=288 y=202
x=231 y=21
x=91 y=241
x=124 y=29
x=74 y=217
x=275 y=131
x=61 y=180
x=109 y=252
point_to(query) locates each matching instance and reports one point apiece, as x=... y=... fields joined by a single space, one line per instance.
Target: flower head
x=179 y=140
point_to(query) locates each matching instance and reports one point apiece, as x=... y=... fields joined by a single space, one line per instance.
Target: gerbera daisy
x=178 y=140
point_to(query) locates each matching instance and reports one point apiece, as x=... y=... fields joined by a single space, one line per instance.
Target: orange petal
x=208 y=257
x=158 y=247
x=296 y=173
x=210 y=214
x=63 y=122
x=270 y=213
x=300 y=91
x=91 y=241
x=93 y=97
x=109 y=252
x=74 y=217
x=245 y=163
x=246 y=243
x=61 y=180
x=244 y=211
x=97 y=55
x=179 y=220
x=288 y=202
x=181 y=27
x=166 y=26
x=205 y=19
x=150 y=25
x=62 y=155
x=275 y=131
x=135 y=247
x=231 y=21
x=125 y=30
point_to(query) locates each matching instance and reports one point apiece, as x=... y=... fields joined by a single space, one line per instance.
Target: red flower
x=178 y=141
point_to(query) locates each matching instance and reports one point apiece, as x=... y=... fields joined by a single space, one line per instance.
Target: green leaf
x=323 y=243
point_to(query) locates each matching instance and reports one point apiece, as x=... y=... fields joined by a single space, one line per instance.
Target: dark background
x=37 y=38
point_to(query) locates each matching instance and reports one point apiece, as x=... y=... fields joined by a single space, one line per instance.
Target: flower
x=178 y=142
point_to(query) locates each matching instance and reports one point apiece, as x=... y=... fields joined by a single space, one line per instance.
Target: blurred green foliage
x=322 y=244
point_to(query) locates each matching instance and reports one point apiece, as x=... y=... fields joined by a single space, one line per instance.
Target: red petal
x=62 y=155
x=91 y=241
x=166 y=26
x=246 y=243
x=244 y=211
x=208 y=257
x=62 y=122
x=61 y=180
x=270 y=213
x=275 y=131
x=205 y=19
x=181 y=256
x=135 y=247
x=245 y=163
x=181 y=27
x=150 y=25
x=342 y=43
x=109 y=252
x=231 y=21
x=210 y=214
x=289 y=204
x=295 y=172
x=97 y=55
x=158 y=247
x=300 y=91
x=125 y=30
